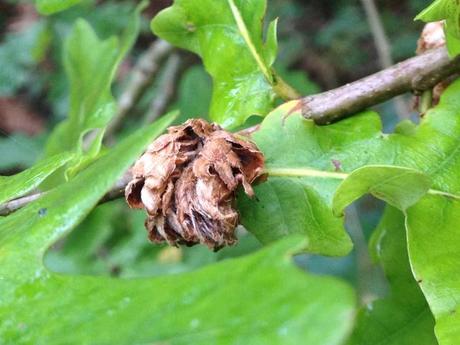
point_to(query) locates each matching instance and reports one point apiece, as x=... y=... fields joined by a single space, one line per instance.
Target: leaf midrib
x=310 y=172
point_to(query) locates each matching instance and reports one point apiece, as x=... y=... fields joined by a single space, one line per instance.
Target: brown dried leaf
x=186 y=180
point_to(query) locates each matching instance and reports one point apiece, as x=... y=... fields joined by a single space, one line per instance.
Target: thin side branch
x=117 y=191
x=416 y=74
x=13 y=205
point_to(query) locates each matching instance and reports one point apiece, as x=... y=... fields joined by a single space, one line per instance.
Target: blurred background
x=323 y=44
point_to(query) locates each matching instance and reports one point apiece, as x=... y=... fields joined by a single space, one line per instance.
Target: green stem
x=445 y=194
x=283 y=89
x=426 y=100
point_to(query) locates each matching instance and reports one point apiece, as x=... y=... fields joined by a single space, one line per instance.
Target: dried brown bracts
x=186 y=181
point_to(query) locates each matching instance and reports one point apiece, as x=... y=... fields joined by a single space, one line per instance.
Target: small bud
x=186 y=181
x=432 y=37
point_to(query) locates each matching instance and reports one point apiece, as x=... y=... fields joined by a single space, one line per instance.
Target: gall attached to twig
x=186 y=181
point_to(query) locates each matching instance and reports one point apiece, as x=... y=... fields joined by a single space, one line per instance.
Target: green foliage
x=45 y=220
x=314 y=173
x=448 y=10
x=433 y=235
x=138 y=306
x=53 y=6
x=203 y=311
x=403 y=317
x=90 y=65
x=307 y=164
x=194 y=94
x=15 y=186
x=230 y=43
x=399 y=187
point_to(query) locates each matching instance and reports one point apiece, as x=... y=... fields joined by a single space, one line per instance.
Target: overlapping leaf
x=227 y=34
x=403 y=317
x=307 y=164
x=40 y=307
x=433 y=234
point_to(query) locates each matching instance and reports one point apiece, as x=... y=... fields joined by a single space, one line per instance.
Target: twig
x=142 y=75
x=115 y=192
x=417 y=74
x=13 y=205
x=167 y=88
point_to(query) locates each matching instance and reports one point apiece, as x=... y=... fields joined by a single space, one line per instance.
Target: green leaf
x=300 y=158
x=181 y=309
x=194 y=94
x=307 y=163
x=17 y=185
x=316 y=160
x=53 y=6
x=403 y=317
x=230 y=43
x=193 y=308
x=448 y=10
x=100 y=310
x=40 y=222
x=90 y=65
x=399 y=187
x=433 y=242
x=288 y=206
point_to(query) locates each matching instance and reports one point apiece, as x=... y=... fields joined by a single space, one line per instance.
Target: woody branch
x=416 y=74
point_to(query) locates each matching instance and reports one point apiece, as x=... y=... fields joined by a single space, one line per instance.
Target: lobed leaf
x=193 y=308
x=307 y=163
x=316 y=160
x=38 y=306
x=301 y=160
x=230 y=43
x=90 y=65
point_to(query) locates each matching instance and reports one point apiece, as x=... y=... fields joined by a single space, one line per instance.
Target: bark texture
x=416 y=74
